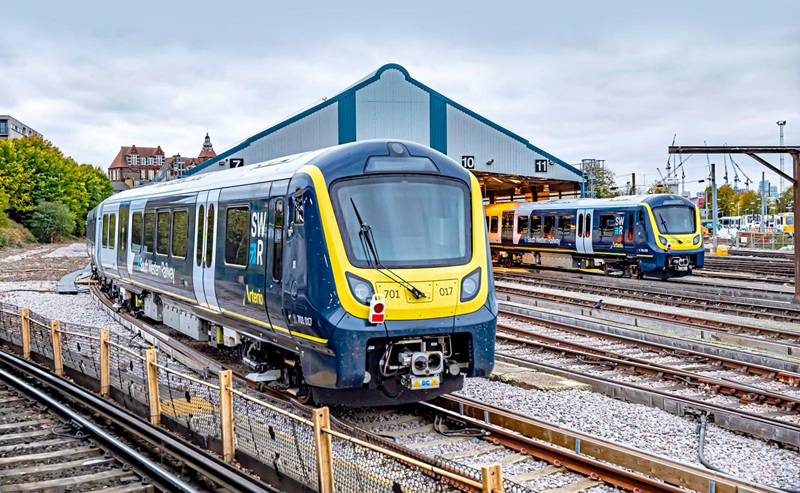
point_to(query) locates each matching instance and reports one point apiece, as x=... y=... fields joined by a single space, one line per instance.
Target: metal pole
x=763 y=227
x=781 y=123
x=796 y=162
x=714 y=202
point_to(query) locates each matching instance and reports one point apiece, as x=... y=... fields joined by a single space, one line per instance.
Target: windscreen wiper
x=666 y=230
x=368 y=242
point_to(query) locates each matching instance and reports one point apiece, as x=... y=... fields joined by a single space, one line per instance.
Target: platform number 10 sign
x=468 y=162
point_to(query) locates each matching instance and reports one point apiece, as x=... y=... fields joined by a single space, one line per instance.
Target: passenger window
x=277 y=246
x=564 y=223
x=606 y=225
x=162 y=233
x=112 y=229
x=587 y=230
x=180 y=226
x=629 y=236
x=105 y=230
x=522 y=225
x=580 y=225
x=236 y=236
x=536 y=225
x=136 y=232
x=123 y=232
x=494 y=225
x=198 y=244
x=149 y=232
x=549 y=226
x=210 y=236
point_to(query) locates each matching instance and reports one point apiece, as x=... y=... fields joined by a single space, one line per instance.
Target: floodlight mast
x=753 y=152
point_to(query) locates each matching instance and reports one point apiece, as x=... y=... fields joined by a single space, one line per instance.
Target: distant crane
x=748 y=181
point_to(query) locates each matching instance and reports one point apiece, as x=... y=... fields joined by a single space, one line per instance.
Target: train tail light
x=377 y=309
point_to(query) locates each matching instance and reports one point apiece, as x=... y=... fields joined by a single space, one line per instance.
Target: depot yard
x=569 y=356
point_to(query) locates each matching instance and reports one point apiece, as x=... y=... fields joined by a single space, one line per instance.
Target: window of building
x=162 y=233
x=149 y=232
x=522 y=225
x=549 y=226
x=180 y=227
x=3 y=126
x=210 y=236
x=136 y=232
x=606 y=226
x=133 y=159
x=277 y=246
x=150 y=160
x=495 y=222
x=105 y=230
x=199 y=239
x=112 y=229
x=564 y=223
x=236 y=236
x=536 y=225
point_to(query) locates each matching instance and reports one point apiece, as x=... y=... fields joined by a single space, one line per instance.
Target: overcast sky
x=606 y=80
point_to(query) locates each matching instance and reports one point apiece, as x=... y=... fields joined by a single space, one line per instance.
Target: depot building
x=390 y=104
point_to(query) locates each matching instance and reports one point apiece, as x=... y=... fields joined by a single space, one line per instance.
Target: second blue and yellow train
x=649 y=235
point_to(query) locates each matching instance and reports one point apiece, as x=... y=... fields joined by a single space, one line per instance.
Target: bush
x=13 y=234
x=52 y=221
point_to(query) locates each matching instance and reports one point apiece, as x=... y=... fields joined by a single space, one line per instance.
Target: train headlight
x=361 y=288
x=662 y=240
x=470 y=285
x=696 y=240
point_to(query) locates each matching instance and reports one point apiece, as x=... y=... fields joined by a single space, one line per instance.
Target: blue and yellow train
x=358 y=274
x=653 y=235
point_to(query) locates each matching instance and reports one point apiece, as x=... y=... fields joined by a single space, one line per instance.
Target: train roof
x=622 y=201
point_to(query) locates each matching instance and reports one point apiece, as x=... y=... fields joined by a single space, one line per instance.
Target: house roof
x=119 y=161
x=364 y=82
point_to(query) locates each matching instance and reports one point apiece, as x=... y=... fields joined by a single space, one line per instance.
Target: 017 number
x=446 y=291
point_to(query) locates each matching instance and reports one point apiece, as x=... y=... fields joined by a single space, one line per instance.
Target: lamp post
x=781 y=123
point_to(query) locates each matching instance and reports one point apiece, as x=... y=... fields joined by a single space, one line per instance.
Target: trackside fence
x=304 y=444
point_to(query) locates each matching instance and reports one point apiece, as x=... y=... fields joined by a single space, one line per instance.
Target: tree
x=658 y=187
x=750 y=202
x=786 y=200
x=603 y=180
x=726 y=200
x=52 y=221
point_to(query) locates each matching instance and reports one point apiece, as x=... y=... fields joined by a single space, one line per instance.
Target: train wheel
x=305 y=395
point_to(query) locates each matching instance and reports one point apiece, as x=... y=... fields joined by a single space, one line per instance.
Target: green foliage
x=726 y=200
x=786 y=200
x=12 y=234
x=34 y=171
x=52 y=221
x=657 y=187
x=750 y=203
x=603 y=180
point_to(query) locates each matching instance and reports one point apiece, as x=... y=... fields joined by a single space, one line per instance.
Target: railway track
x=740 y=407
x=523 y=442
x=772 y=266
x=723 y=304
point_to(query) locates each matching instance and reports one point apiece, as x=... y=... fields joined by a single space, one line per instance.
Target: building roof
x=120 y=186
x=351 y=91
x=208 y=149
x=119 y=161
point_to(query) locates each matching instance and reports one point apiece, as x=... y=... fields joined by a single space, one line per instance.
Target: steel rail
x=787 y=377
x=614 y=463
x=745 y=393
x=741 y=330
x=785 y=312
x=206 y=464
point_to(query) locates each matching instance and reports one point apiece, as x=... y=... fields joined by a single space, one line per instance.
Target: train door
x=583 y=231
x=629 y=239
x=494 y=229
x=205 y=262
x=108 y=249
x=122 y=239
x=274 y=275
x=640 y=229
x=508 y=227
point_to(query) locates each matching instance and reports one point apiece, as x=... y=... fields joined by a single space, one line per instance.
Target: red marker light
x=376 y=309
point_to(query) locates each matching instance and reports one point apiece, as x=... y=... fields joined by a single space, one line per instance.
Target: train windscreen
x=675 y=219
x=416 y=221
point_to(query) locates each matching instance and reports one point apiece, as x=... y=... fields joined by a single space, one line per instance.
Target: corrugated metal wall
x=393 y=108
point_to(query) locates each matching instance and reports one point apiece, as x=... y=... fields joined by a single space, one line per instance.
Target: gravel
x=73 y=250
x=645 y=428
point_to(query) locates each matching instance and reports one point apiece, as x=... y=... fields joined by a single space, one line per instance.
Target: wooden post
x=152 y=386
x=492 y=478
x=322 y=445
x=105 y=375
x=55 y=337
x=26 y=333
x=226 y=415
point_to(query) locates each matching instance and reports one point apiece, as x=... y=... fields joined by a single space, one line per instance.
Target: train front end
x=409 y=305
x=676 y=236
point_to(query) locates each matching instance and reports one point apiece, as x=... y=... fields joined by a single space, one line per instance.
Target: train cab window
x=105 y=230
x=210 y=236
x=549 y=227
x=536 y=225
x=629 y=233
x=522 y=225
x=149 y=232
x=112 y=229
x=277 y=245
x=180 y=226
x=198 y=244
x=495 y=222
x=236 y=236
x=606 y=225
x=564 y=225
x=587 y=230
x=162 y=233
x=136 y=232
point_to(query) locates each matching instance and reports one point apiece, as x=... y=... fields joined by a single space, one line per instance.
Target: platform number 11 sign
x=468 y=162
